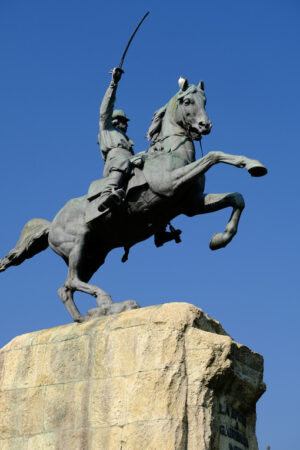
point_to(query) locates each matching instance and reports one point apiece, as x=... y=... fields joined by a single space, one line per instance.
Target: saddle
x=153 y=169
x=96 y=187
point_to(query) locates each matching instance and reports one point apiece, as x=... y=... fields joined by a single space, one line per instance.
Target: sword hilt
x=114 y=74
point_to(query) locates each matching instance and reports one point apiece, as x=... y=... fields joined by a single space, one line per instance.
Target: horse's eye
x=187 y=101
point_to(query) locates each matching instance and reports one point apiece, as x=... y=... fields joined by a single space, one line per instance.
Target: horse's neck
x=174 y=138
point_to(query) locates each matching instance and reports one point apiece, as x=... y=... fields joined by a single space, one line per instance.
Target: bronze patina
x=161 y=183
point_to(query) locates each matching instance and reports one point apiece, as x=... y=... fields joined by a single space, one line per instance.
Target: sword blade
x=132 y=36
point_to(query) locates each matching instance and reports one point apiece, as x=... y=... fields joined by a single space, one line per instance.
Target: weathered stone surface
x=163 y=377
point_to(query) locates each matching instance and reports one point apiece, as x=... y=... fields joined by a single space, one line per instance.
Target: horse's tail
x=33 y=240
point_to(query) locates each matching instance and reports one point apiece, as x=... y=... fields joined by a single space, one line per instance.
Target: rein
x=179 y=134
x=170 y=135
x=200 y=142
x=185 y=133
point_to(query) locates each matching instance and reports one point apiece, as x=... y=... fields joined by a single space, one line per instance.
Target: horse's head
x=185 y=110
x=190 y=111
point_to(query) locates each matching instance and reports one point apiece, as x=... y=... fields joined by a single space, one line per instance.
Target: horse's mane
x=156 y=124
x=155 y=127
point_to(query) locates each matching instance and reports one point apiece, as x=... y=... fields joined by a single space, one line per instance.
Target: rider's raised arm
x=108 y=102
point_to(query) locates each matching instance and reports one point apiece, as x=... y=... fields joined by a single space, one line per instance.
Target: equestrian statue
x=138 y=195
x=157 y=185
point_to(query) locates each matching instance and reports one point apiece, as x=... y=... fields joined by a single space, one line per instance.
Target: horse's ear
x=201 y=85
x=183 y=83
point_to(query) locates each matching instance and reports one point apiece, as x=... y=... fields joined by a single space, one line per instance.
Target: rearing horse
x=170 y=182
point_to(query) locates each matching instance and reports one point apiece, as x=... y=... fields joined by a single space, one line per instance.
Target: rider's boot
x=112 y=194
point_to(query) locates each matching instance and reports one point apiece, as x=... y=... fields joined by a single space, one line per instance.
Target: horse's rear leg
x=80 y=271
x=214 y=202
x=100 y=295
x=66 y=295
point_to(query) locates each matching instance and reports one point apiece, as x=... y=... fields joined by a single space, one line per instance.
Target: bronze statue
x=117 y=152
x=161 y=183
x=116 y=147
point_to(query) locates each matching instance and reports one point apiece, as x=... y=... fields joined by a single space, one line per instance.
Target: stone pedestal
x=163 y=377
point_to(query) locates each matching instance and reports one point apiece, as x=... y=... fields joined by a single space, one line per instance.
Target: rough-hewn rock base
x=163 y=377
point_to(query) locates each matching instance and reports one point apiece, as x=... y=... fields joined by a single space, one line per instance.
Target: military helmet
x=119 y=113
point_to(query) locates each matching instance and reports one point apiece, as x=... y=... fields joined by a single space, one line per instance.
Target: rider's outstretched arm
x=108 y=102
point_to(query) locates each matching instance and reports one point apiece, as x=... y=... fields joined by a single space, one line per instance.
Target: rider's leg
x=109 y=193
x=117 y=167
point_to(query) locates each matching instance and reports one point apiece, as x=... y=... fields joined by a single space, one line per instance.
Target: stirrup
x=118 y=196
x=103 y=212
x=114 y=198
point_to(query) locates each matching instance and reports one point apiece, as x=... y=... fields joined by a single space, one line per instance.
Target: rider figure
x=116 y=150
x=116 y=147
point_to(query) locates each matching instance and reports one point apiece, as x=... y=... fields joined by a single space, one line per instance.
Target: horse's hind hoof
x=80 y=319
x=112 y=308
x=256 y=169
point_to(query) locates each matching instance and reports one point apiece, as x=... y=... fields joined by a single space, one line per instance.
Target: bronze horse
x=168 y=182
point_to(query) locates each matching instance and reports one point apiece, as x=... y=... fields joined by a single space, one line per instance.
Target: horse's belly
x=141 y=200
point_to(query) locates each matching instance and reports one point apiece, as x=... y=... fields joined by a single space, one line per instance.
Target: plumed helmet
x=119 y=113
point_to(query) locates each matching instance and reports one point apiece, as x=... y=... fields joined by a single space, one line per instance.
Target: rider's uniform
x=116 y=147
x=116 y=150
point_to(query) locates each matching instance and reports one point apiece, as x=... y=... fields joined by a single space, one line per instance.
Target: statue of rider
x=116 y=146
x=116 y=149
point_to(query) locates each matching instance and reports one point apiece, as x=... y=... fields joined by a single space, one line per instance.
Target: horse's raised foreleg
x=214 y=202
x=197 y=168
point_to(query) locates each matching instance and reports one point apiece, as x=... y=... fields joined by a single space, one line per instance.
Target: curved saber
x=132 y=36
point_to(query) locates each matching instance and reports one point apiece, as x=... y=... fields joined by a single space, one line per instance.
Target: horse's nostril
x=206 y=125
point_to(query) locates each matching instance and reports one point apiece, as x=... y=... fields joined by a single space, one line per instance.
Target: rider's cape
x=153 y=169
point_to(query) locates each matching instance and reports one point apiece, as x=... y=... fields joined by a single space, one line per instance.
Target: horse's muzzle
x=203 y=128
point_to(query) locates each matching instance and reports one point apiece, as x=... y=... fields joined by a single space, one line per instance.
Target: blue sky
x=55 y=58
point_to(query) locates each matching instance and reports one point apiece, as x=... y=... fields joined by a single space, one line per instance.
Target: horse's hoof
x=113 y=308
x=103 y=300
x=80 y=319
x=217 y=241
x=126 y=305
x=256 y=169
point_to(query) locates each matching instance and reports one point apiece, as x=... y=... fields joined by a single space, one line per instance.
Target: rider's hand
x=116 y=74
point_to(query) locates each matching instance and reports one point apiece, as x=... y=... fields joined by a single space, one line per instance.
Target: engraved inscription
x=234 y=426
x=233 y=413
x=234 y=434
x=233 y=447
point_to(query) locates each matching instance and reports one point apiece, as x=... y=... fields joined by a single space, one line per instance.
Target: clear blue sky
x=55 y=58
